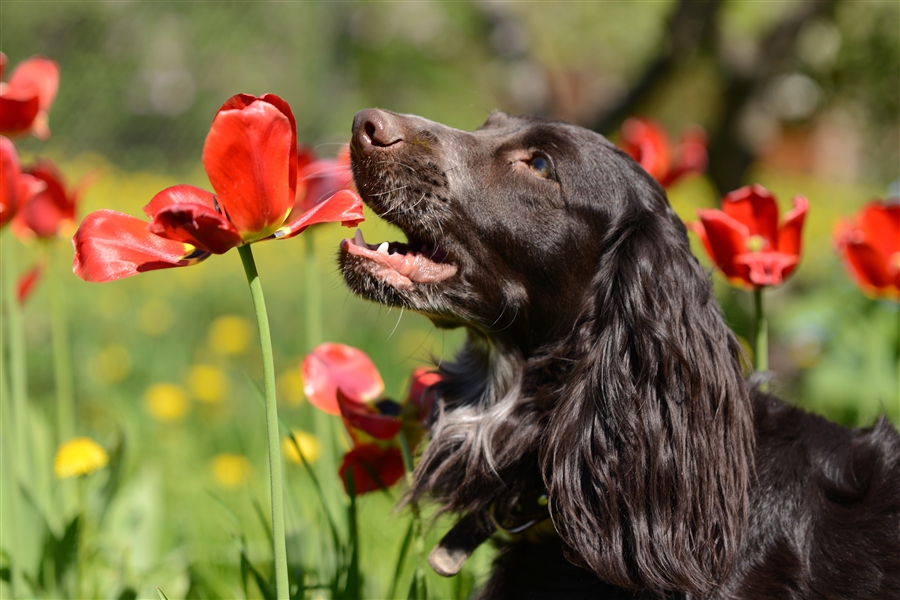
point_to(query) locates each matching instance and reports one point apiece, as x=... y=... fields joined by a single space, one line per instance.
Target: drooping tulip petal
x=250 y=158
x=366 y=418
x=767 y=268
x=26 y=98
x=110 y=245
x=330 y=366
x=372 y=468
x=345 y=206
x=187 y=214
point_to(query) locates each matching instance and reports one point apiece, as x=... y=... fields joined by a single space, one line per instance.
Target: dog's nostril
x=375 y=128
x=370 y=130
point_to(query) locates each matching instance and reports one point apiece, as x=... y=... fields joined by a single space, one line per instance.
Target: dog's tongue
x=400 y=270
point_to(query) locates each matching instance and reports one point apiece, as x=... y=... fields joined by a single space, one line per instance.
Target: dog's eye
x=541 y=166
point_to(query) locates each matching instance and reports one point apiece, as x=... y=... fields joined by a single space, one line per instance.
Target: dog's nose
x=373 y=129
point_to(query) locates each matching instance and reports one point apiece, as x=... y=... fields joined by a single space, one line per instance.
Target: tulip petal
x=372 y=468
x=330 y=366
x=755 y=207
x=880 y=224
x=9 y=180
x=33 y=80
x=648 y=144
x=110 y=245
x=38 y=74
x=250 y=157
x=18 y=114
x=421 y=396
x=197 y=225
x=345 y=206
x=767 y=268
x=790 y=238
x=367 y=419
x=726 y=240
x=868 y=267
x=320 y=179
x=27 y=282
x=179 y=194
x=50 y=209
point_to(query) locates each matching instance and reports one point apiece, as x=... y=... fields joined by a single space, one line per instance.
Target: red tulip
x=745 y=241
x=16 y=188
x=250 y=156
x=870 y=247
x=373 y=467
x=320 y=178
x=52 y=211
x=26 y=98
x=330 y=366
x=647 y=143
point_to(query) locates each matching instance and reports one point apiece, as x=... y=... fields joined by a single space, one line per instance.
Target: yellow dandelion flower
x=229 y=335
x=230 y=470
x=112 y=364
x=207 y=383
x=166 y=402
x=155 y=317
x=79 y=456
x=290 y=387
x=309 y=446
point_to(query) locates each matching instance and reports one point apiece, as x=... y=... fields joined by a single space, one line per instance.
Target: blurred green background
x=801 y=97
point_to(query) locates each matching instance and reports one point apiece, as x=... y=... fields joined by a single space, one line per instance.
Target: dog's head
x=504 y=228
x=599 y=366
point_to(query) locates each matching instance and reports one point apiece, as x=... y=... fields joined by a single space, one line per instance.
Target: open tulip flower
x=250 y=156
x=870 y=247
x=746 y=241
x=16 y=188
x=26 y=98
x=647 y=143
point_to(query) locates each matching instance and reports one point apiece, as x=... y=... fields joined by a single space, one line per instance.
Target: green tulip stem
x=62 y=358
x=761 y=336
x=275 y=479
x=15 y=427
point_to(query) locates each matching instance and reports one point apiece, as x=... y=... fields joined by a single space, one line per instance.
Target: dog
x=598 y=423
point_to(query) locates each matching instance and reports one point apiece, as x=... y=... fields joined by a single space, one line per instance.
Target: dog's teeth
x=383 y=248
x=358 y=238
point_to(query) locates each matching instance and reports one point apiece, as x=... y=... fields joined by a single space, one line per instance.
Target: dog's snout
x=373 y=129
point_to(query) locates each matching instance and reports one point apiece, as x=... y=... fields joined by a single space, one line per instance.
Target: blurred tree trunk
x=693 y=31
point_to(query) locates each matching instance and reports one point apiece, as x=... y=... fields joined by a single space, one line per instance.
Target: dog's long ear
x=648 y=452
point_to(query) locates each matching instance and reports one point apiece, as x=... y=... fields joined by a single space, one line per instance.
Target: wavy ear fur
x=648 y=453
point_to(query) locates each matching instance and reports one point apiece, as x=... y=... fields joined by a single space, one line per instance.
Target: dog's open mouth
x=401 y=265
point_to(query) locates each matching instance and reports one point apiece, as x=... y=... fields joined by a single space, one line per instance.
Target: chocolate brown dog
x=598 y=412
